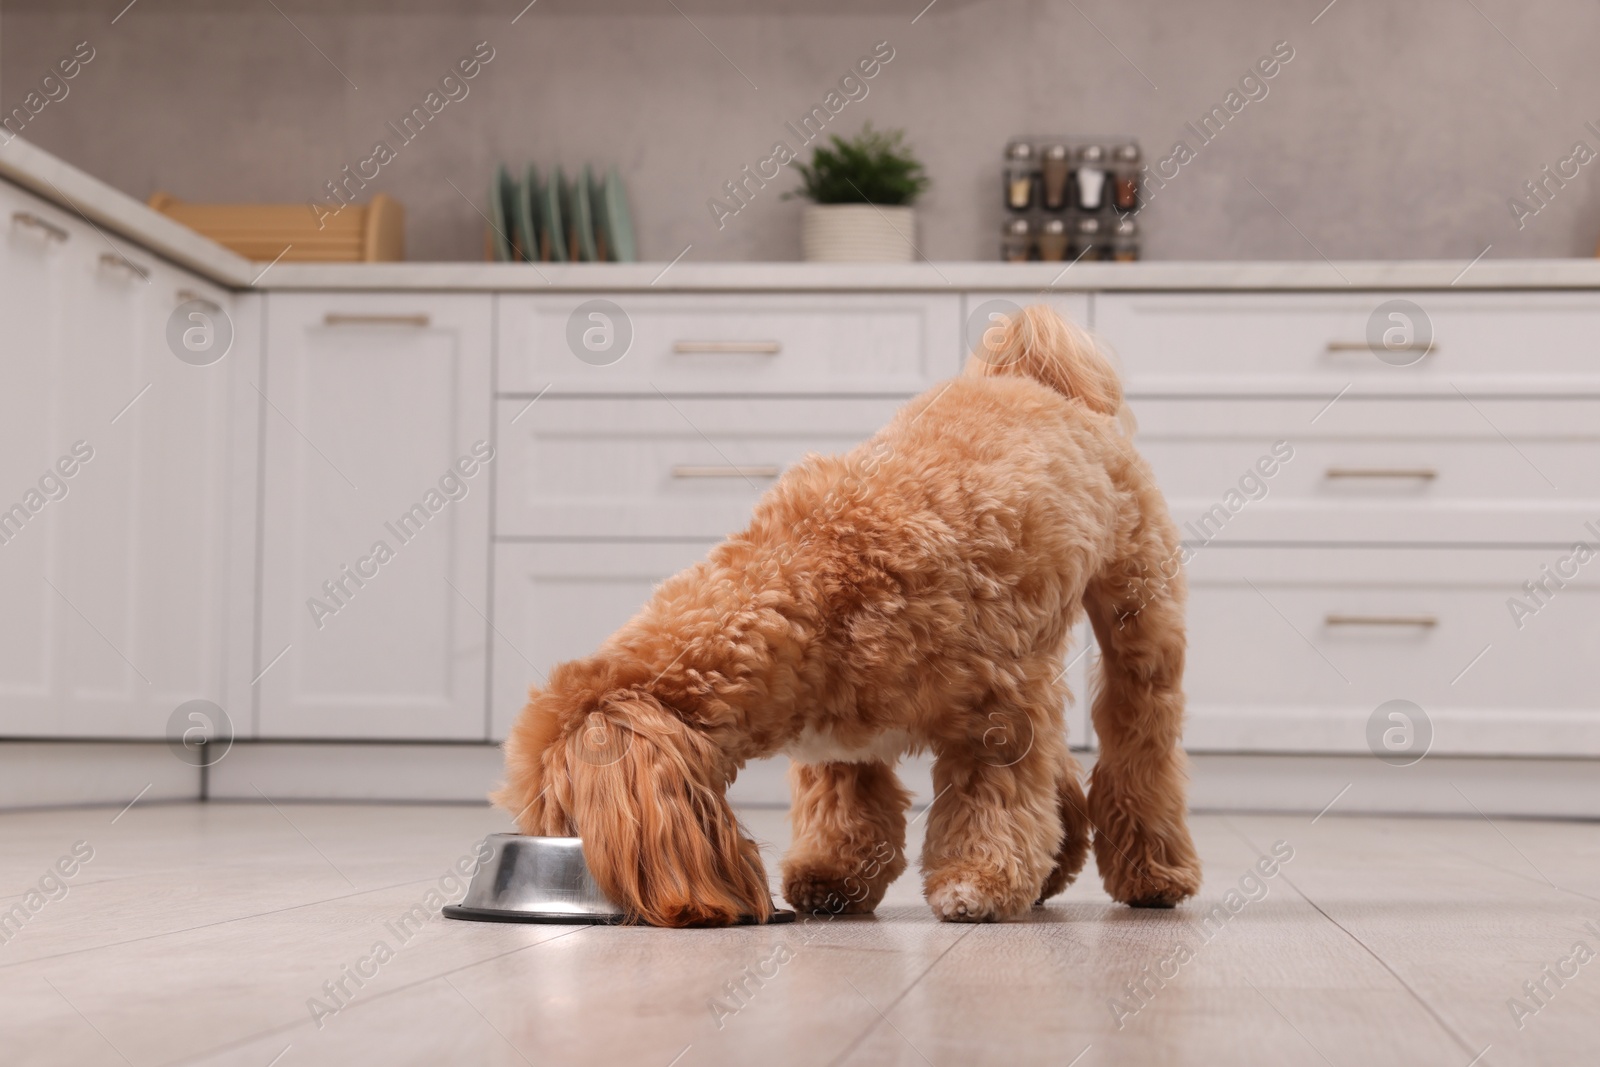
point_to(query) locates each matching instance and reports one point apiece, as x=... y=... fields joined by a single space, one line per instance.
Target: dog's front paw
x=1154 y=886
x=821 y=889
x=973 y=897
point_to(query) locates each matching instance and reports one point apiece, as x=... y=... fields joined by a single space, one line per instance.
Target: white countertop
x=116 y=214
x=121 y=215
x=687 y=275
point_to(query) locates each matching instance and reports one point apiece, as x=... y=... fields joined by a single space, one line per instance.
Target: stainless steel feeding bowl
x=541 y=880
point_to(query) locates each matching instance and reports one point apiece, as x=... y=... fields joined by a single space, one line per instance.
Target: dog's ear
x=658 y=834
x=529 y=752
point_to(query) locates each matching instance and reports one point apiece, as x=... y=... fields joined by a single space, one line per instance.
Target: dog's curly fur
x=916 y=593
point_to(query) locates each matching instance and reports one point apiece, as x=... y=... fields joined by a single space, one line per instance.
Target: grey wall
x=1399 y=130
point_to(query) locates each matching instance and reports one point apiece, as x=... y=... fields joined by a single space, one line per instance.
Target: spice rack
x=1069 y=198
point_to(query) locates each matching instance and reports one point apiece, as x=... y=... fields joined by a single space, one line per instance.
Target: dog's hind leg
x=995 y=829
x=849 y=823
x=1074 y=849
x=1137 y=788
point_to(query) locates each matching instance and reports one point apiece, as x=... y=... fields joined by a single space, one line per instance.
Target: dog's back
x=956 y=540
x=1003 y=475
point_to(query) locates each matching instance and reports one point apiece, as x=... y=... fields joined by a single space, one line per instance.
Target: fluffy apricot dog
x=914 y=594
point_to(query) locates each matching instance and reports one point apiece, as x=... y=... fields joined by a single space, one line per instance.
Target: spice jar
x=1057 y=168
x=1125 y=183
x=1125 y=241
x=1053 y=240
x=1016 y=240
x=1088 y=239
x=1021 y=176
x=1090 y=178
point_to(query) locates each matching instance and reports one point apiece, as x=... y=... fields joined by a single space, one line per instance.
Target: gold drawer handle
x=186 y=296
x=726 y=348
x=112 y=259
x=44 y=226
x=336 y=318
x=1426 y=622
x=762 y=470
x=1424 y=347
x=1426 y=474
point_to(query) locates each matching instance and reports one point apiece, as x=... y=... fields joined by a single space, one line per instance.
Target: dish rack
x=582 y=220
x=359 y=233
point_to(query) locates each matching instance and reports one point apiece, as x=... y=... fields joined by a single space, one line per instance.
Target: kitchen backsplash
x=1397 y=131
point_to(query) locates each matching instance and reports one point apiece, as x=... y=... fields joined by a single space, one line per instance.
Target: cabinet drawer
x=657 y=467
x=1441 y=469
x=1294 y=650
x=641 y=343
x=1319 y=343
x=1379 y=490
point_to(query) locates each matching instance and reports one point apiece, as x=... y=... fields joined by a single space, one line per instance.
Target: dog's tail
x=1037 y=343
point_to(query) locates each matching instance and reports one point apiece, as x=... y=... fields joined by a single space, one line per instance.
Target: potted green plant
x=861 y=192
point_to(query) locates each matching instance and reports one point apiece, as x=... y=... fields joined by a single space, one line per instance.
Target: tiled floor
x=201 y=934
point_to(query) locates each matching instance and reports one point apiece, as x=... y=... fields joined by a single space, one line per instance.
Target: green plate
x=583 y=217
x=618 y=220
x=497 y=216
x=552 y=228
x=602 y=230
x=527 y=232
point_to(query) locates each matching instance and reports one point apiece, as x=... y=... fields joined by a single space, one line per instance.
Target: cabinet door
x=38 y=253
x=376 y=516
x=118 y=568
x=555 y=602
x=144 y=547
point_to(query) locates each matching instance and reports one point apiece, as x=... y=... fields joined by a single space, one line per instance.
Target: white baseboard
x=1549 y=788
x=63 y=773
x=356 y=772
x=48 y=774
x=1438 y=785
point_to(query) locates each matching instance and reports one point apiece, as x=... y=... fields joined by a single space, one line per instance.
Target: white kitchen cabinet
x=374 y=576
x=222 y=542
x=119 y=577
x=1379 y=560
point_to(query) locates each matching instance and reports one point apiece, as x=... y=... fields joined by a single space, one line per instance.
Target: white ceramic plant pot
x=858 y=233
